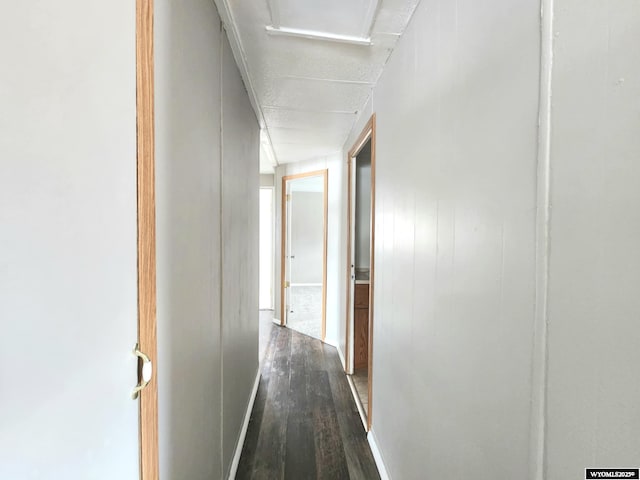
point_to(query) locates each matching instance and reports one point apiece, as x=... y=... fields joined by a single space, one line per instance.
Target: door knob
x=145 y=371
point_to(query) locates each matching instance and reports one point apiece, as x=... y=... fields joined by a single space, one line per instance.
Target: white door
x=305 y=251
x=68 y=241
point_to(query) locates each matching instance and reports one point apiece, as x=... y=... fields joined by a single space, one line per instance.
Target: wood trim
x=368 y=132
x=315 y=173
x=283 y=232
x=372 y=126
x=347 y=357
x=147 y=335
x=324 y=255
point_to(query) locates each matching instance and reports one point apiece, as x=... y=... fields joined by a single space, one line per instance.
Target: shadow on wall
x=188 y=223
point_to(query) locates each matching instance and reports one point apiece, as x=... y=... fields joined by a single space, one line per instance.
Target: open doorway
x=304 y=252
x=360 y=248
x=266 y=249
x=266 y=271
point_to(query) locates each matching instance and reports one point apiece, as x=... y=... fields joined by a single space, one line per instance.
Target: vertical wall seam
x=221 y=243
x=538 y=423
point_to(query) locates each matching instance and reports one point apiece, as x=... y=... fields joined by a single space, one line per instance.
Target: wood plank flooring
x=305 y=423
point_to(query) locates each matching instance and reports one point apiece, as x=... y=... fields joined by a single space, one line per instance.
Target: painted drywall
x=266 y=179
x=455 y=209
x=593 y=393
x=207 y=220
x=362 y=230
x=188 y=237
x=307 y=236
x=240 y=190
x=68 y=273
x=336 y=233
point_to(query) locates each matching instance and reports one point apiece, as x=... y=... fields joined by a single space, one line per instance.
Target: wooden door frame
x=368 y=133
x=283 y=236
x=146 y=225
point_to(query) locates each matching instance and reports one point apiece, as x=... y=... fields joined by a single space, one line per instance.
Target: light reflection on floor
x=305 y=312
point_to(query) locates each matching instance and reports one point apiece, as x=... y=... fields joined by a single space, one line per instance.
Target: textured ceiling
x=308 y=91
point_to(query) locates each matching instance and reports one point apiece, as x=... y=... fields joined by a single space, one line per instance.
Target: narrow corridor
x=304 y=423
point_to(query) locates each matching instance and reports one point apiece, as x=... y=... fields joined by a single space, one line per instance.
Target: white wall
x=455 y=211
x=307 y=236
x=68 y=276
x=207 y=237
x=266 y=248
x=362 y=254
x=336 y=243
x=240 y=185
x=593 y=392
x=266 y=179
x=505 y=317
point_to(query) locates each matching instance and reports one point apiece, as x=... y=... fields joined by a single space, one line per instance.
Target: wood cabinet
x=361 y=326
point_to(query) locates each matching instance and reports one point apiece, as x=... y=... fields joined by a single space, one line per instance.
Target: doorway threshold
x=356 y=397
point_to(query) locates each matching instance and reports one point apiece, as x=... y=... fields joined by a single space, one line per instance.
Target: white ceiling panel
x=281 y=136
x=320 y=95
x=299 y=153
x=393 y=16
x=296 y=119
x=321 y=15
x=309 y=90
x=301 y=57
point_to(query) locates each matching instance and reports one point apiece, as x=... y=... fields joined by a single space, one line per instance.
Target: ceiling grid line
x=293 y=109
x=311 y=66
x=332 y=80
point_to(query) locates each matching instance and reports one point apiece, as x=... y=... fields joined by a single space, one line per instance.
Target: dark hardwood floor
x=305 y=423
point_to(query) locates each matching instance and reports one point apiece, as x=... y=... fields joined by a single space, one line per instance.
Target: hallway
x=471 y=259
x=304 y=422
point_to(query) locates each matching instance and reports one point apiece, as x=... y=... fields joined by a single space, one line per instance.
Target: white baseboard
x=329 y=341
x=245 y=425
x=335 y=344
x=276 y=321
x=377 y=456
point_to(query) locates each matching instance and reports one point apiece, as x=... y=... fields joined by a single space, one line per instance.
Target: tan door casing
x=146 y=236
x=368 y=133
